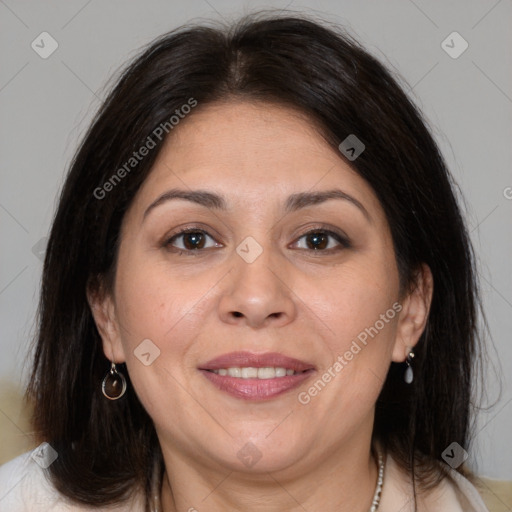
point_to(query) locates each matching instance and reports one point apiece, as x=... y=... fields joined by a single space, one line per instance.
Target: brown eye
x=317 y=241
x=191 y=240
x=194 y=240
x=323 y=240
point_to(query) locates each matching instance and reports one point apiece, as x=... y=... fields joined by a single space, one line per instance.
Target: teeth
x=249 y=373
x=281 y=372
x=255 y=373
x=234 y=372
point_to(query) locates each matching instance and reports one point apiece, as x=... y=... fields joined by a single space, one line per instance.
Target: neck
x=345 y=482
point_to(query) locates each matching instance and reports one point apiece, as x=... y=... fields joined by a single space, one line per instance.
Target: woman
x=258 y=293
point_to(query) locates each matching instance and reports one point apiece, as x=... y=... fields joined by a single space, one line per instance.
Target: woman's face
x=249 y=278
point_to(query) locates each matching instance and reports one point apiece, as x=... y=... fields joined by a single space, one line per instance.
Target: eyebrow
x=293 y=203
x=304 y=199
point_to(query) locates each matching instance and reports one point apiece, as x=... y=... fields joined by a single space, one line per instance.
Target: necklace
x=380 y=483
x=156 y=505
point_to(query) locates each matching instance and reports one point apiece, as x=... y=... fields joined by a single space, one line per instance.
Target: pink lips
x=256 y=389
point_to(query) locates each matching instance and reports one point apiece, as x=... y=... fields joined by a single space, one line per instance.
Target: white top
x=24 y=487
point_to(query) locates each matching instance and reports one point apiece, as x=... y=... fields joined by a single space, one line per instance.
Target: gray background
x=46 y=105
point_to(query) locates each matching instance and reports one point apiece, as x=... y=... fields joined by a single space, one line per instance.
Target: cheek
x=362 y=314
x=151 y=300
x=155 y=304
x=152 y=308
x=353 y=299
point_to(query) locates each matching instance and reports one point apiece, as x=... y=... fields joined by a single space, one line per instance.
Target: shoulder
x=454 y=494
x=466 y=492
x=25 y=486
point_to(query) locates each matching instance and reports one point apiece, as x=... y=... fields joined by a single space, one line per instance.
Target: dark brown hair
x=107 y=449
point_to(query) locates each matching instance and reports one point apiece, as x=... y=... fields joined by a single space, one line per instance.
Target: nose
x=257 y=295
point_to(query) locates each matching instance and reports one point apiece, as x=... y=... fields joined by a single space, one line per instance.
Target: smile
x=256 y=376
x=250 y=372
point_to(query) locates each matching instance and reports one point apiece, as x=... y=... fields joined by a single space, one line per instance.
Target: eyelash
x=341 y=239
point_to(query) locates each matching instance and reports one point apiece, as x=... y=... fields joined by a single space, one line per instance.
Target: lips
x=255 y=388
x=248 y=359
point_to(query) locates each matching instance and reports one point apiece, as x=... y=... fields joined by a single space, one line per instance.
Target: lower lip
x=256 y=389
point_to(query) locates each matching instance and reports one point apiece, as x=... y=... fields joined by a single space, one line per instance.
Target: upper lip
x=250 y=359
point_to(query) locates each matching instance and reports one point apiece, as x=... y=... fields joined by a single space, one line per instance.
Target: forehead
x=250 y=153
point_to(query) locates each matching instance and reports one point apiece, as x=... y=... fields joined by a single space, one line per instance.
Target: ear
x=103 y=311
x=414 y=314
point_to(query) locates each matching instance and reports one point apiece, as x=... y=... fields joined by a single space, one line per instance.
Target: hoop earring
x=114 y=384
x=409 y=374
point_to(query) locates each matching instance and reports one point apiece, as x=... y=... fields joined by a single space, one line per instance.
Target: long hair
x=107 y=449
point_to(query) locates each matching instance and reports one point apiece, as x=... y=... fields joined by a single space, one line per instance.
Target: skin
x=305 y=303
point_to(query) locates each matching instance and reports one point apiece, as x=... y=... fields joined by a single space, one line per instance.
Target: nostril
x=237 y=313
